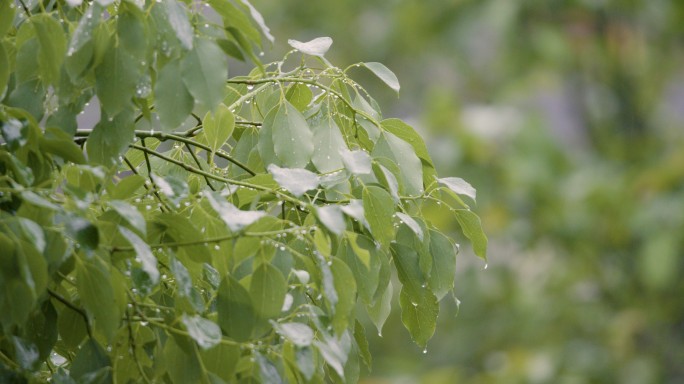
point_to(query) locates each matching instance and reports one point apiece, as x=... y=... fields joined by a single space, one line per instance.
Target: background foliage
x=162 y=221
x=567 y=117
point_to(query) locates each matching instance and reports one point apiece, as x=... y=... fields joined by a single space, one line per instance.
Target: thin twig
x=74 y=308
x=199 y=165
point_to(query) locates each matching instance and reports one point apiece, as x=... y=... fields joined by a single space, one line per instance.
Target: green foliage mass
x=206 y=228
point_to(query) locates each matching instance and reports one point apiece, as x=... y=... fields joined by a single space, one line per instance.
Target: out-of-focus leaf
x=357 y=162
x=173 y=100
x=110 y=138
x=331 y=216
x=299 y=334
x=129 y=213
x=143 y=253
x=178 y=20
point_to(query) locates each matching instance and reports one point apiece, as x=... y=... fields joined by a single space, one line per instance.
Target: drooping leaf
x=97 y=295
x=316 y=47
x=129 y=213
x=110 y=138
x=7 y=11
x=205 y=332
x=345 y=286
x=143 y=253
x=132 y=30
x=90 y=359
x=441 y=278
x=178 y=20
x=357 y=162
x=116 y=80
x=419 y=315
x=472 y=228
x=295 y=180
x=331 y=216
x=218 y=126
x=411 y=223
x=402 y=154
x=380 y=310
x=384 y=74
x=173 y=102
x=267 y=290
x=4 y=70
x=259 y=20
x=204 y=70
x=53 y=45
x=378 y=209
x=292 y=137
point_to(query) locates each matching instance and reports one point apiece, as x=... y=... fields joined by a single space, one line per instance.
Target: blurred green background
x=568 y=117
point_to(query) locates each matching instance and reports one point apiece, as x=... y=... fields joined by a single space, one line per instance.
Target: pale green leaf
x=234 y=218
x=299 y=95
x=218 y=126
x=259 y=20
x=384 y=74
x=332 y=218
x=130 y=214
x=142 y=253
x=265 y=144
x=357 y=162
x=299 y=334
x=295 y=180
x=292 y=137
x=53 y=45
x=328 y=143
x=267 y=290
x=316 y=47
x=204 y=71
x=115 y=81
x=205 y=332
x=380 y=310
x=459 y=186
x=441 y=278
x=412 y=224
x=132 y=31
x=345 y=286
x=403 y=155
x=178 y=20
x=378 y=210
x=173 y=101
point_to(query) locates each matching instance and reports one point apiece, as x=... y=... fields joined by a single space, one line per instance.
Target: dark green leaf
x=204 y=71
x=235 y=311
x=419 y=315
x=60 y=143
x=116 y=80
x=110 y=138
x=4 y=70
x=97 y=295
x=441 y=278
x=221 y=360
x=89 y=359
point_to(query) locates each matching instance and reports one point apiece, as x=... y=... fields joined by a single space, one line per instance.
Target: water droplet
x=250 y=87
x=380 y=334
x=148 y=207
x=217 y=247
x=261 y=53
x=425 y=351
x=486 y=265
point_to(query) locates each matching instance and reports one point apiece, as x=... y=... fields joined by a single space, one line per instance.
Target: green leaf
x=357 y=162
x=173 y=187
x=267 y=290
x=412 y=224
x=402 y=154
x=295 y=180
x=53 y=45
x=205 y=332
x=97 y=295
x=299 y=95
x=181 y=364
x=143 y=254
x=328 y=144
x=218 y=126
x=173 y=101
x=299 y=334
x=4 y=70
x=83 y=231
x=409 y=135
x=60 y=143
x=132 y=31
x=362 y=343
x=110 y=138
x=221 y=360
x=7 y=11
x=265 y=144
x=459 y=186
x=441 y=278
x=183 y=278
x=316 y=47
x=91 y=358
x=345 y=286
x=331 y=216
x=381 y=309
x=179 y=22
x=204 y=72
x=259 y=20
x=25 y=353
x=472 y=229
x=130 y=214
x=378 y=210
x=335 y=351
x=115 y=81
x=292 y=138
x=235 y=311
x=234 y=218
x=419 y=315
x=384 y=74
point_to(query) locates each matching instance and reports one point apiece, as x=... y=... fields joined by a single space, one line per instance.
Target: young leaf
x=292 y=137
x=205 y=332
x=382 y=72
x=459 y=186
x=295 y=180
x=316 y=47
x=204 y=71
x=173 y=101
x=218 y=126
x=378 y=210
